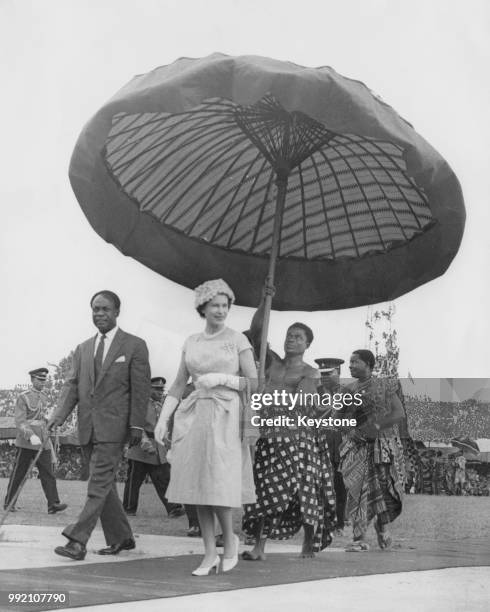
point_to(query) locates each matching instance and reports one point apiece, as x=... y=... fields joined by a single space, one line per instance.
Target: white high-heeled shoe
x=229 y=564
x=205 y=571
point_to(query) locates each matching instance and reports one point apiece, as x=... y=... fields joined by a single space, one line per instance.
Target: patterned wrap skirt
x=374 y=476
x=293 y=482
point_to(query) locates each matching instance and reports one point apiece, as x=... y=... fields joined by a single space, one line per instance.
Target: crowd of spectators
x=429 y=420
x=70 y=464
x=434 y=472
x=476 y=483
x=435 y=475
x=8 y=398
x=7 y=458
x=441 y=420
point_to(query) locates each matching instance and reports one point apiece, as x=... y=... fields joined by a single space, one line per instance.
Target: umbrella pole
x=282 y=184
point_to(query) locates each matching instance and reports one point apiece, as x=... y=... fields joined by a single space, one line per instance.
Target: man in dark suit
x=110 y=383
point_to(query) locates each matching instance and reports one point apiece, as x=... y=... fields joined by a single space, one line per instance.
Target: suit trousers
x=102 y=498
x=22 y=463
x=137 y=472
x=192 y=517
x=340 y=497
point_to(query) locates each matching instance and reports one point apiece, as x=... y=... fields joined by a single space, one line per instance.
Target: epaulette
x=25 y=392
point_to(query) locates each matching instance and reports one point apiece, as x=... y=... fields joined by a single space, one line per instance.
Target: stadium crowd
x=436 y=474
x=428 y=419
x=7 y=458
x=69 y=466
x=8 y=398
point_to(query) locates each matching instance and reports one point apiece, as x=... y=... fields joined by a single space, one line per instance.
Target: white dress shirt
x=109 y=337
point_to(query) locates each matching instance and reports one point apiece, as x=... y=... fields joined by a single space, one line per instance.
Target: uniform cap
x=329 y=363
x=158 y=381
x=40 y=373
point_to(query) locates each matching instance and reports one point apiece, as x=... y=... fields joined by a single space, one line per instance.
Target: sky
x=61 y=60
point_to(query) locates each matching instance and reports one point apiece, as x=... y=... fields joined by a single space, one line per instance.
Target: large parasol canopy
x=466 y=444
x=246 y=167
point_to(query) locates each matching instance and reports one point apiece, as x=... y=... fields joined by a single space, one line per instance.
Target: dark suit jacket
x=119 y=399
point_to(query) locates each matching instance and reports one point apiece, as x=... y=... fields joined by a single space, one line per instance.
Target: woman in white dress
x=209 y=468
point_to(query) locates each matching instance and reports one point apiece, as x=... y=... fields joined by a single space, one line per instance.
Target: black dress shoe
x=176 y=512
x=115 y=549
x=57 y=508
x=130 y=512
x=72 y=550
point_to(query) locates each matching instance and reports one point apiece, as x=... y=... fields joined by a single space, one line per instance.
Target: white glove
x=215 y=379
x=35 y=440
x=161 y=428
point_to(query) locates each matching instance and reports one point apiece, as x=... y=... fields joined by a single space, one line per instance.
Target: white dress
x=210 y=465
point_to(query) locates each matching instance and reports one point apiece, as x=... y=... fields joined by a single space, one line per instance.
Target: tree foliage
x=53 y=387
x=383 y=342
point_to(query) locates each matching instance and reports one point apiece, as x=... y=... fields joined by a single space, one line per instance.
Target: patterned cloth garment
x=294 y=487
x=373 y=469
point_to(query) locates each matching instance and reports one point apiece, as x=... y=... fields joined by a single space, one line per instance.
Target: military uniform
x=30 y=420
x=148 y=458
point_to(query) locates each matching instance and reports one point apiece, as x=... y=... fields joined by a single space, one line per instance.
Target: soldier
x=32 y=434
x=149 y=458
x=331 y=438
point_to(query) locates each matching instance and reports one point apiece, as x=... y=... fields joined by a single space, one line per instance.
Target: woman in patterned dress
x=372 y=462
x=209 y=469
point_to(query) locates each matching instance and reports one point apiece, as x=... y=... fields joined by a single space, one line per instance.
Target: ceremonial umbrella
x=247 y=167
x=466 y=444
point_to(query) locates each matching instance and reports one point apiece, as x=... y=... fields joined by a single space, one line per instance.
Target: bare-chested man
x=292 y=479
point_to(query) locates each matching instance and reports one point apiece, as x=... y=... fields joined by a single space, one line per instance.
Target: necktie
x=99 y=356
